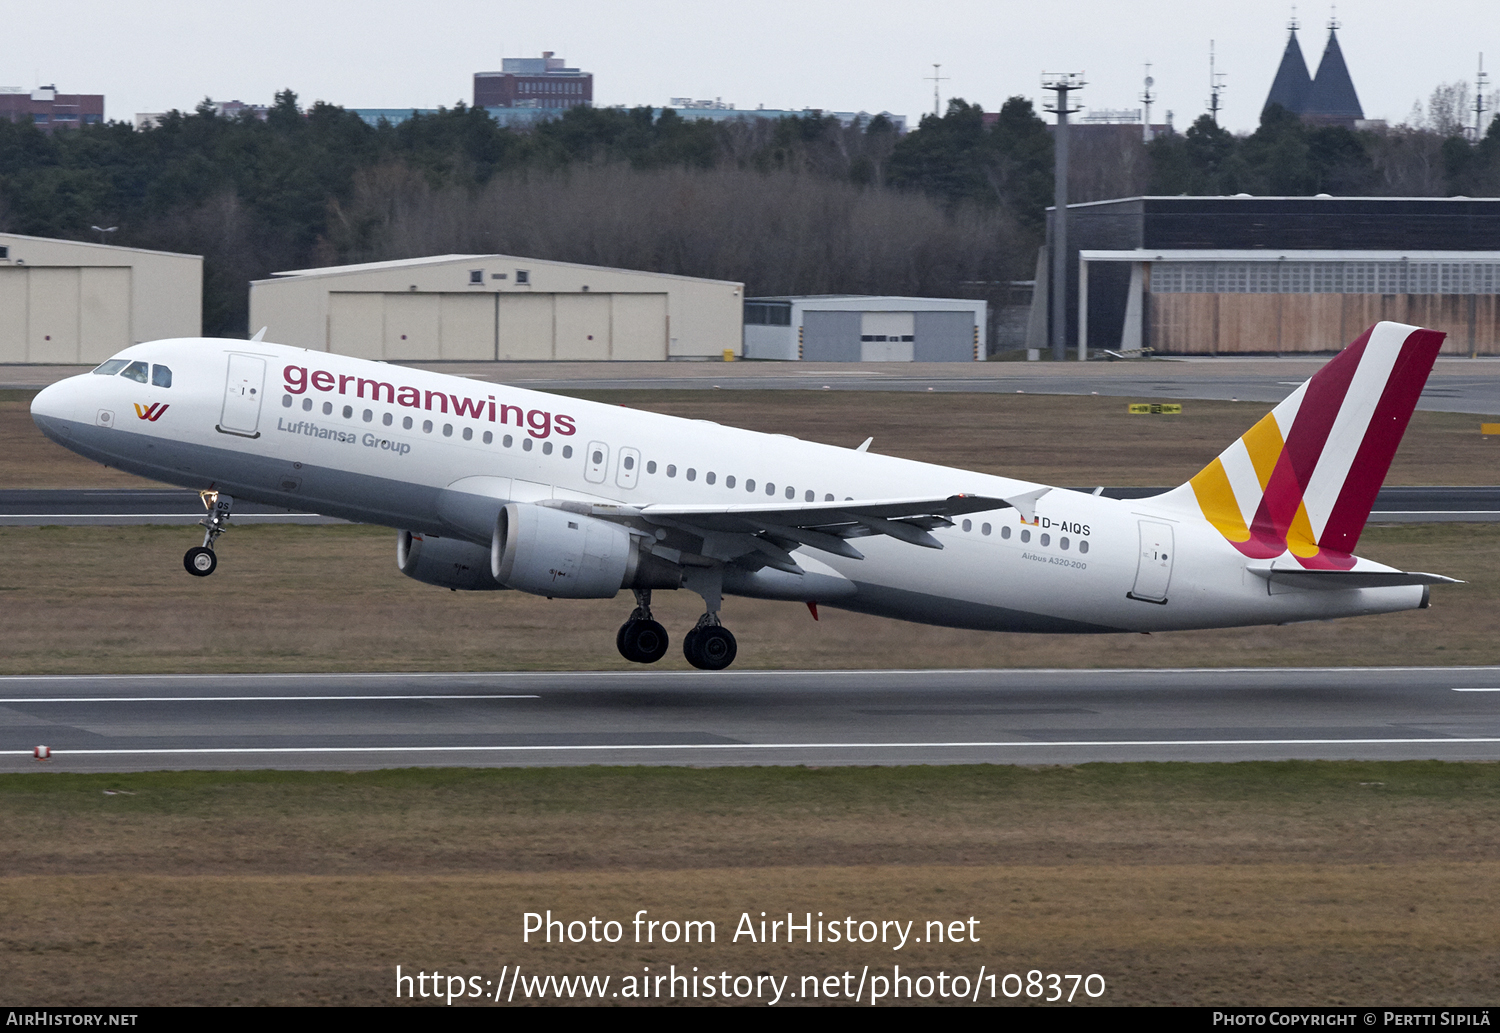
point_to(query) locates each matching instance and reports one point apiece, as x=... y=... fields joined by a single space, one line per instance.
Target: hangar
x=1239 y=275
x=860 y=328
x=69 y=301
x=498 y=307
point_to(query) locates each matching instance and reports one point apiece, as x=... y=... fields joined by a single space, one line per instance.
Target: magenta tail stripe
x=1387 y=425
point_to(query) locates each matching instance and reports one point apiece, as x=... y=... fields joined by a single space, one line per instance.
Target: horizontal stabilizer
x=1345 y=580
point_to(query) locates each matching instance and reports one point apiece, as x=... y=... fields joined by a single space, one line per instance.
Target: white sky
x=837 y=55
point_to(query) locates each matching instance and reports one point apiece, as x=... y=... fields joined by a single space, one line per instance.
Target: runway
x=115 y=507
x=363 y=721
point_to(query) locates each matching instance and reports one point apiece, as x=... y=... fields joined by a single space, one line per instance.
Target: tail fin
x=1304 y=478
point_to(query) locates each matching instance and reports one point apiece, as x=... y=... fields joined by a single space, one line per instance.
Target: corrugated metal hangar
x=498 y=307
x=859 y=328
x=68 y=301
x=1239 y=275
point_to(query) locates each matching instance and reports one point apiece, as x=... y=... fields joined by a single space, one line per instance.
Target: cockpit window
x=161 y=376
x=136 y=371
x=111 y=367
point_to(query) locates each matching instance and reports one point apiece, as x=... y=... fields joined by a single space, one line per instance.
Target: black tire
x=690 y=647
x=200 y=562
x=647 y=641
x=714 y=649
x=620 y=639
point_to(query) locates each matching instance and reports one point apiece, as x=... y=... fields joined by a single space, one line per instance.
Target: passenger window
x=708 y=478
x=984 y=528
x=327 y=408
x=808 y=497
x=791 y=493
x=827 y=498
x=770 y=488
x=110 y=368
x=426 y=426
x=1005 y=531
x=671 y=470
x=1083 y=547
x=286 y=401
x=468 y=433
x=488 y=437
x=136 y=371
x=1025 y=536
x=968 y=525
x=1046 y=539
x=406 y=423
x=750 y=484
x=629 y=462
x=161 y=376
x=368 y=415
x=386 y=419
x=567 y=450
x=525 y=444
x=507 y=440
x=348 y=412
x=1062 y=543
x=447 y=430
x=729 y=481
x=692 y=474
x=546 y=448
x=307 y=405
x=651 y=466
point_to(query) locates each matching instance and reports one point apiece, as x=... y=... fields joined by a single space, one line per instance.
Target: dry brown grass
x=1355 y=883
x=288 y=598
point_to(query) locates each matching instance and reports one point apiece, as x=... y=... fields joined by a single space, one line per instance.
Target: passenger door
x=1153 y=572
x=243 y=390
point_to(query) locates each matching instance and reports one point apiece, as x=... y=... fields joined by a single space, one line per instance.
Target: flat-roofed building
x=861 y=328
x=498 y=307
x=67 y=301
x=49 y=110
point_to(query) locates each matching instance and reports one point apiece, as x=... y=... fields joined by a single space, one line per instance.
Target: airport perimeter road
x=748 y=717
x=1456 y=384
x=113 y=507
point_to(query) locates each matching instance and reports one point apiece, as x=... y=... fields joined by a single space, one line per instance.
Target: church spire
x=1332 y=100
x=1292 y=83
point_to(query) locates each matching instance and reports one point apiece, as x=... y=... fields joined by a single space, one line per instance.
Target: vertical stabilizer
x=1304 y=478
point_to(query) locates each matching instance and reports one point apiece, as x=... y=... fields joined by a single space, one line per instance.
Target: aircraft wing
x=771 y=531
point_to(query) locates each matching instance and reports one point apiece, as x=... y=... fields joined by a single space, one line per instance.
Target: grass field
x=1300 y=883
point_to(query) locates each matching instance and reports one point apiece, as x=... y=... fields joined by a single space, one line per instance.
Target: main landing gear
x=641 y=639
x=200 y=561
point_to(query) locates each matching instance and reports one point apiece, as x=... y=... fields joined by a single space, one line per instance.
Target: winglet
x=1026 y=504
x=864 y=446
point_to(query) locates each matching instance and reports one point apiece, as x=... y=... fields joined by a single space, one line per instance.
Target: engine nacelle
x=565 y=555
x=445 y=562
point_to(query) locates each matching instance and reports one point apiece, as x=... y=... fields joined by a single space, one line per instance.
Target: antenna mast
x=1215 y=86
x=1480 y=82
x=1146 y=98
x=936 y=108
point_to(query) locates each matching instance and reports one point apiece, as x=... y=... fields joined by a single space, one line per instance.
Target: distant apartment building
x=534 y=82
x=48 y=110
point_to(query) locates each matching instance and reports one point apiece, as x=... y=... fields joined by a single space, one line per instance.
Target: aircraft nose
x=56 y=406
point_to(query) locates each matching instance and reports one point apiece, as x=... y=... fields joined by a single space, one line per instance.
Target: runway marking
x=1476 y=690
x=763 y=746
x=236 y=699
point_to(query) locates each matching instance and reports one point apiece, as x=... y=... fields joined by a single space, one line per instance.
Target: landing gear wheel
x=710 y=648
x=200 y=562
x=642 y=641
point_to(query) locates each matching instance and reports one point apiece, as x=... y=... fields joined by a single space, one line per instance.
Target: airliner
x=491 y=487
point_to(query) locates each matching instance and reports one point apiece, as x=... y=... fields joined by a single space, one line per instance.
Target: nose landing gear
x=200 y=561
x=641 y=639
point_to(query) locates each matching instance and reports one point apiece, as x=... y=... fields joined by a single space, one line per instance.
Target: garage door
x=525 y=327
x=13 y=290
x=944 y=337
x=356 y=325
x=638 y=327
x=830 y=336
x=103 y=312
x=468 y=326
x=582 y=326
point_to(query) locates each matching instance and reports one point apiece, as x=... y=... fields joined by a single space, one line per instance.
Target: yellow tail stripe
x=1299 y=537
x=1263 y=442
x=1216 y=499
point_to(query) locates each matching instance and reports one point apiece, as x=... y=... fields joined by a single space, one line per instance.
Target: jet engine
x=566 y=555
x=445 y=562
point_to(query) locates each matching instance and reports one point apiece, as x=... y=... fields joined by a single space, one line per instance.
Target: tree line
x=956 y=207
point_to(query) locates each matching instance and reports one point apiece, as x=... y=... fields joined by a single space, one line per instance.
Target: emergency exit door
x=1153 y=572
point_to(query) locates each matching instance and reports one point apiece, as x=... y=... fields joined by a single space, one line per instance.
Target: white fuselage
x=384 y=444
